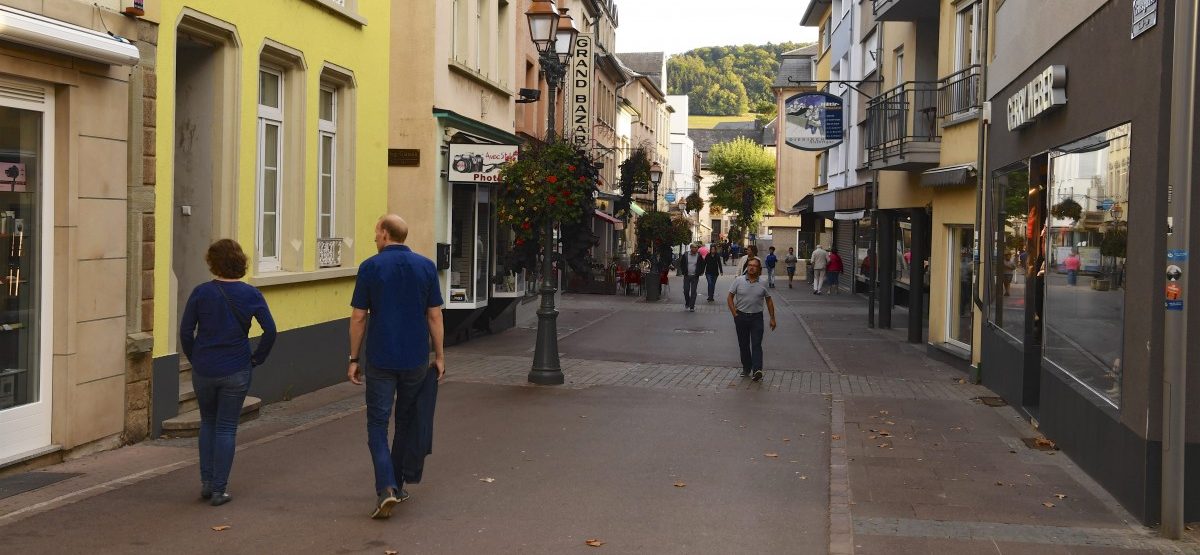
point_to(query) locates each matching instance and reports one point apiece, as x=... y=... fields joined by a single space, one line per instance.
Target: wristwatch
x=353 y=360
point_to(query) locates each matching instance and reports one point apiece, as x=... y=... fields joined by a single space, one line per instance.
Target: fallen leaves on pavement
x=594 y=543
x=1045 y=443
x=221 y=528
x=391 y=552
x=1060 y=495
x=835 y=437
x=771 y=455
x=1048 y=505
x=488 y=480
x=680 y=484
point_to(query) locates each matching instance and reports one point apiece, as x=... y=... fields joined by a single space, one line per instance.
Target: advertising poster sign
x=478 y=163
x=813 y=121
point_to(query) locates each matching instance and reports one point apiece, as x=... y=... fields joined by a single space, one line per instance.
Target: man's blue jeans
x=712 y=285
x=385 y=389
x=220 y=401
x=750 y=334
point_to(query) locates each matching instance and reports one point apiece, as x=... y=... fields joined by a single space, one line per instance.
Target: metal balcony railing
x=959 y=92
x=901 y=116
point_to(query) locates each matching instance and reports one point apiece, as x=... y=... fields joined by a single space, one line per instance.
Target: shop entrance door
x=960 y=317
x=26 y=225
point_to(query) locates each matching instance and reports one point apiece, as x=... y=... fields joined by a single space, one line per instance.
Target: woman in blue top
x=213 y=335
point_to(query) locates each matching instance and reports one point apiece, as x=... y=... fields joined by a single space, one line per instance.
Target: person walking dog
x=746 y=299
x=213 y=336
x=399 y=290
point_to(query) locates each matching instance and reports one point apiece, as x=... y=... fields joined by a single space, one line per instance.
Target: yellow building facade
x=274 y=135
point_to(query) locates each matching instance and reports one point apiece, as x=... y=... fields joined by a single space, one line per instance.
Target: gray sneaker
x=383 y=505
x=220 y=498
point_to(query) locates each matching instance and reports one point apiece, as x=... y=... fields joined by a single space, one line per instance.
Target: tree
x=718 y=78
x=745 y=182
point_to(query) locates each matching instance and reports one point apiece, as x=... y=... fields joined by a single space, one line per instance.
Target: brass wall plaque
x=404 y=157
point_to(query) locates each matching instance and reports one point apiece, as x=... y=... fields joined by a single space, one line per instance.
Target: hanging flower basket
x=554 y=181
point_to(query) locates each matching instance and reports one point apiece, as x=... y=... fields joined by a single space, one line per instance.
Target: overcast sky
x=675 y=26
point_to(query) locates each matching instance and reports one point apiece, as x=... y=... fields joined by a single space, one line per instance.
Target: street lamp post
x=553 y=33
x=653 y=287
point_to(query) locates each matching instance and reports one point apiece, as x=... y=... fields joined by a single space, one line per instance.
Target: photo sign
x=813 y=121
x=479 y=163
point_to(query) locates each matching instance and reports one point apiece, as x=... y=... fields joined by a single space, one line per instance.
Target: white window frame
x=27 y=428
x=972 y=9
x=268 y=115
x=898 y=65
x=327 y=129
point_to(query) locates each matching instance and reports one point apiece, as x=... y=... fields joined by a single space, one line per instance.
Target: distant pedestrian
x=751 y=254
x=746 y=298
x=771 y=261
x=713 y=267
x=690 y=265
x=819 y=261
x=213 y=336
x=1010 y=267
x=1072 y=264
x=790 y=262
x=399 y=290
x=833 y=270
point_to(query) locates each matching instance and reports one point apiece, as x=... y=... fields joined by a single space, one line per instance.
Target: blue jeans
x=220 y=401
x=750 y=334
x=690 y=284
x=712 y=285
x=385 y=389
x=771 y=276
x=1072 y=277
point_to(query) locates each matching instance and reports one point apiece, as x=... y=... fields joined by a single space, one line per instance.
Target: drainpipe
x=981 y=158
x=1175 y=318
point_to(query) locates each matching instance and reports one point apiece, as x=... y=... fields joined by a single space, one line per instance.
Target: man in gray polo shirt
x=746 y=299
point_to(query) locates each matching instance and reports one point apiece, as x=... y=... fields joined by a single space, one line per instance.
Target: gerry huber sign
x=1047 y=91
x=580 y=73
x=813 y=121
x=479 y=163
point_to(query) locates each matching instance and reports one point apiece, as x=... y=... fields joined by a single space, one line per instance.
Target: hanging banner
x=813 y=121
x=479 y=163
x=579 y=114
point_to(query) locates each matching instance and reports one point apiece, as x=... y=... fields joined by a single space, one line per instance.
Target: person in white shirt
x=691 y=267
x=747 y=297
x=819 y=261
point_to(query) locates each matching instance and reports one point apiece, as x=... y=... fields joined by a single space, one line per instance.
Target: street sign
x=670 y=197
x=1107 y=204
x=813 y=121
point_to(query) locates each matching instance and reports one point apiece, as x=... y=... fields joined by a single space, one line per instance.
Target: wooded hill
x=727 y=80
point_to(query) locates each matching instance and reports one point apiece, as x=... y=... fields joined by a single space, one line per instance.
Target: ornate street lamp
x=553 y=33
x=655 y=178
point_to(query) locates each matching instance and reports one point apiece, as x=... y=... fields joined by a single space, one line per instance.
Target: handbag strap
x=237 y=316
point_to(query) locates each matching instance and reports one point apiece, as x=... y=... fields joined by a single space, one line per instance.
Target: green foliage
x=694 y=203
x=1067 y=209
x=1113 y=243
x=657 y=232
x=635 y=179
x=764 y=112
x=742 y=165
x=726 y=80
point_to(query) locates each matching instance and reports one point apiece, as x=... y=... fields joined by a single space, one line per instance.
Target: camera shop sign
x=479 y=163
x=1046 y=92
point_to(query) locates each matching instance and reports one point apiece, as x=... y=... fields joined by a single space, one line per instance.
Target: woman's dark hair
x=226 y=259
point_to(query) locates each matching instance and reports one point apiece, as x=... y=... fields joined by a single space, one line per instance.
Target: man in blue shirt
x=400 y=291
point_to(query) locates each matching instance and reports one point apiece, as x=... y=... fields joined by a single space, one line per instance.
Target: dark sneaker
x=220 y=498
x=383 y=506
x=758 y=376
x=205 y=490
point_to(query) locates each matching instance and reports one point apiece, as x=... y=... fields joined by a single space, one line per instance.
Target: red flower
x=563 y=192
x=552 y=199
x=552 y=179
x=526 y=225
x=570 y=168
x=582 y=178
x=520 y=242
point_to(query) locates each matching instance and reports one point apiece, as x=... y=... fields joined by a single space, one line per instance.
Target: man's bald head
x=394 y=227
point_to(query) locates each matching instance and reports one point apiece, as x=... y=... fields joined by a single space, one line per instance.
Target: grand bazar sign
x=1046 y=92
x=580 y=73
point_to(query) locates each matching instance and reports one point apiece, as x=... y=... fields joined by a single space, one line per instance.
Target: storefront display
x=20 y=238
x=470 y=240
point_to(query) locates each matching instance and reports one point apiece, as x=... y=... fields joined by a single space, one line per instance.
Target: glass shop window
x=1010 y=252
x=1086 y=232
x=20 y=245
x=470 y=244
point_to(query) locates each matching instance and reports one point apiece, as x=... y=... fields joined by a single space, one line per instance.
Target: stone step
x=188 y=423
x=187 y=396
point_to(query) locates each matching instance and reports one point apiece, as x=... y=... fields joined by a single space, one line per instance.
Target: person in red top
x=1072 y=265
x=832 y=270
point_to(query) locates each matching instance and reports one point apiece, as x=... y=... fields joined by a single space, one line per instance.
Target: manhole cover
x=694 y=330
x=992 y=401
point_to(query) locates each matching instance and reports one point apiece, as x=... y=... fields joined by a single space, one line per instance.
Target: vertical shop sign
x=580 y=73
